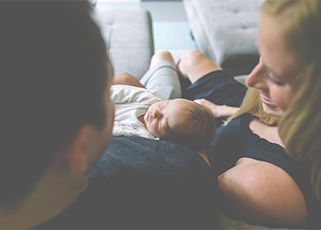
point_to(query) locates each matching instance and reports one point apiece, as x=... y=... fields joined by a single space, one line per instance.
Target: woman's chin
x=273 y=111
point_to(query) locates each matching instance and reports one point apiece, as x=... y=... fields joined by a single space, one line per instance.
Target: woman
x=267 y=156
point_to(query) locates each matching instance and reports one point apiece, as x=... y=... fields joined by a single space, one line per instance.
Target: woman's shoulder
x=262 y=193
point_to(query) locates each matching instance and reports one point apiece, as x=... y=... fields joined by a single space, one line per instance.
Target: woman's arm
x=218 y=110
x=261 y=193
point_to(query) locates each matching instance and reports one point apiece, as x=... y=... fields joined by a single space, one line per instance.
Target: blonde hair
x=252 y=106
x=300 y=126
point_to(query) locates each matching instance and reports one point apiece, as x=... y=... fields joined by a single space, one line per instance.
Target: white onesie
x=131 y=102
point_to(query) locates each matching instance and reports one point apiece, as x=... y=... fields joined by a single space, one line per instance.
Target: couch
x=226 y=31
x=128 y=34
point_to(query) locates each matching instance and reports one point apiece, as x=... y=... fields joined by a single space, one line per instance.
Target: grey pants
x=163 y=81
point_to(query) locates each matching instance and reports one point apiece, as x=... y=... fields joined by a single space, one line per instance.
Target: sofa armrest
x=129 y=39
x=226 y=31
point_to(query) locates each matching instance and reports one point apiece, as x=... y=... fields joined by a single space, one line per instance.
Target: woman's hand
x=218 y=110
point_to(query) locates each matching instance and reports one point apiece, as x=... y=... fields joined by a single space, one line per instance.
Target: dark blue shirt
x=144 y=183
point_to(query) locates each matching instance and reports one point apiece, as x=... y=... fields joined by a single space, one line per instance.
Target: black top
x=236 y=140
x=144 y=183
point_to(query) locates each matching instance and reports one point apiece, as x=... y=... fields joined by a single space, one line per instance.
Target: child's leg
x=162 y=78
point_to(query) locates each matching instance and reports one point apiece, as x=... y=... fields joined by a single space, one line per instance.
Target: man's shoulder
x=143 y=183
x=159 y=184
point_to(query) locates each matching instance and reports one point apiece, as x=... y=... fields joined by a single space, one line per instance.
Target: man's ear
x=78 y=152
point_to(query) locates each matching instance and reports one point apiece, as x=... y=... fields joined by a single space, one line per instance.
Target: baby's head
x=180 y=121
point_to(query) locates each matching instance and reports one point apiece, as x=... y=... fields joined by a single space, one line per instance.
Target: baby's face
x=162 y=116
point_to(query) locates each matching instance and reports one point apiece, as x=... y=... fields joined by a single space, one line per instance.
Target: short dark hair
x=197 y=129
x=53 y=77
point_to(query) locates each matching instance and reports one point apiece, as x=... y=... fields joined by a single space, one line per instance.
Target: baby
x=180 y=121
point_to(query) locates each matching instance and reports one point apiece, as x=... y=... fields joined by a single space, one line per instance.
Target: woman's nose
x=256 y=78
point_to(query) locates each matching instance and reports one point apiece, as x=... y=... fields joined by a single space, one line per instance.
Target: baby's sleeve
x=121 y=94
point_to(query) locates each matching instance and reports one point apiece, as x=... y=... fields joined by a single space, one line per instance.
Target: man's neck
x=51 y=196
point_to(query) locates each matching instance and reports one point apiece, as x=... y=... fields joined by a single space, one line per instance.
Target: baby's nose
x=156 y=113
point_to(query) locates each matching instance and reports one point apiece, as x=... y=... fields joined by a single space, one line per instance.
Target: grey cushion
x=226 y=31
x=128 y=33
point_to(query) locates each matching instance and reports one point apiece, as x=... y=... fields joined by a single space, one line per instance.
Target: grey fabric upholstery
x=128 y=33
x=226 y=31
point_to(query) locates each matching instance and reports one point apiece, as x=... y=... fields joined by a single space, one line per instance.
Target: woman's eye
x=272 y=78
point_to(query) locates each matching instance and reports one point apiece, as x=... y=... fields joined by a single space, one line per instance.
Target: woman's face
x=277 y=75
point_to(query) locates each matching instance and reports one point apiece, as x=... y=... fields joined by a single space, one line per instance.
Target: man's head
x=181 y=122
x=54 y=92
